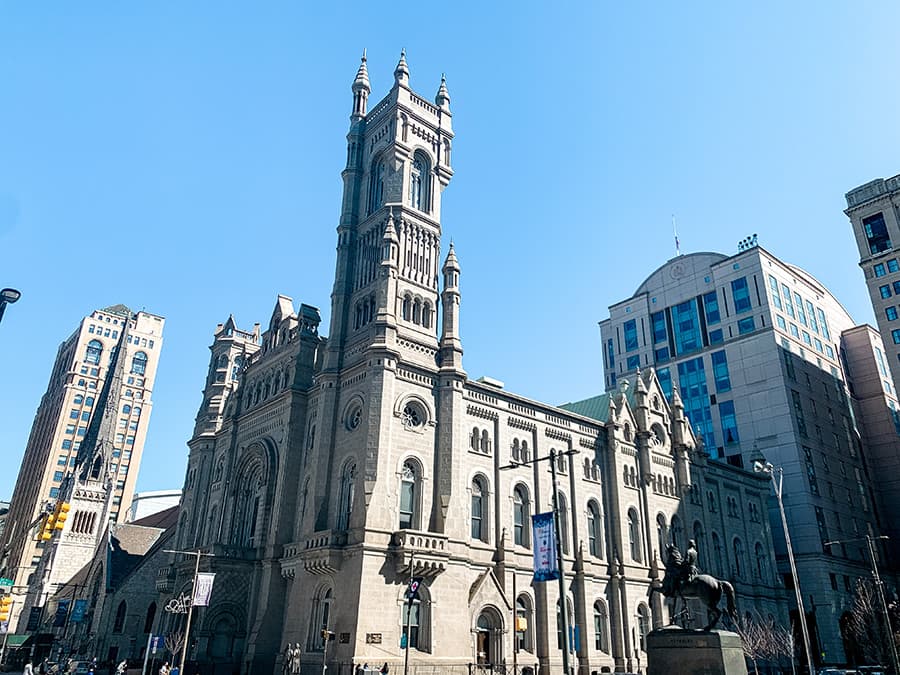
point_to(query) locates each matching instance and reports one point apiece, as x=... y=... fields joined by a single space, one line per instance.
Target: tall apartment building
x=875 y=218
x=62 y=420
x=767 y=360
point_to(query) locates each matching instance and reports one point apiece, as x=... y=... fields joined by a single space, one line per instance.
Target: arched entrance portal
x=488 y=638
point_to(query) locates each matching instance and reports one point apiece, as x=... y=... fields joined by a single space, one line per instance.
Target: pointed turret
x=451 y=347
x=442 y=99
x=401 y=72
x=361 y=89
x=387 y=292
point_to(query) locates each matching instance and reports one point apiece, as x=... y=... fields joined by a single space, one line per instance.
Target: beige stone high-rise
x=62 y=421
x=324 y=473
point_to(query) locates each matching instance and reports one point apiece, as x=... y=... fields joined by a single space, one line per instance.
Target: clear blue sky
x=185 y=158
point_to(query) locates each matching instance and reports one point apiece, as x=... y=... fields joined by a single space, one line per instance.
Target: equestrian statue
x=684 y=580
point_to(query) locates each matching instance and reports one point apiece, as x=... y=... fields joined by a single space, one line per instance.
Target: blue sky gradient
x=185 y=158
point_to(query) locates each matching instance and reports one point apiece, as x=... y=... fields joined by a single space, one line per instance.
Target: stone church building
x=325 y=472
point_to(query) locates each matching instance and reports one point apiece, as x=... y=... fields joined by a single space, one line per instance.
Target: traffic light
x=5 y=607
x=62 y=512
x=47 y=527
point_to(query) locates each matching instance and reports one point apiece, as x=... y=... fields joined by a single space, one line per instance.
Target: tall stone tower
x=388 y=403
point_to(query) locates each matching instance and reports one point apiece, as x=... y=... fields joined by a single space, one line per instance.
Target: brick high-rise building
x=63 y=418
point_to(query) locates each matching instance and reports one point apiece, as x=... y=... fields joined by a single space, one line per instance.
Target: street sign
x=6 y=582
x=155 y=643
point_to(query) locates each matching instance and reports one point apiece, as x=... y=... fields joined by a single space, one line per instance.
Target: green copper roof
x=596 y=407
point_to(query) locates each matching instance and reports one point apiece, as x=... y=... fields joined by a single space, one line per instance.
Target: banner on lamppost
x=203 y=589
x=78 y=610
x=62 y=612
x=545 y=567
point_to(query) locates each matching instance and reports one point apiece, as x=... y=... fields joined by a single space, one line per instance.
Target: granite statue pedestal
x=678 y=651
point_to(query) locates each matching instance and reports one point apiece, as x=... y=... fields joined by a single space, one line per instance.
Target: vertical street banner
x=62 y=613
x=545 y=568
x=34 y=619
x=203 y=589
x=78 y=610
x=156 y=643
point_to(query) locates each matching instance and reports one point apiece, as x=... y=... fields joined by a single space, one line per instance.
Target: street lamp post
x=187 y=628
x=879 y=585
x=563 y=608
x=761 y=466
x=7 y=297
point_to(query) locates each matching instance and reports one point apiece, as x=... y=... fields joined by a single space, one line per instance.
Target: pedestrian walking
x=164 y=669
x=122 y=667
x=29 y=669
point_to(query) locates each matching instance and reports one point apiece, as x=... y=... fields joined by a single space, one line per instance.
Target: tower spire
x=401 y=72
x=442 y=98
x=101 y=429
x=361 y=89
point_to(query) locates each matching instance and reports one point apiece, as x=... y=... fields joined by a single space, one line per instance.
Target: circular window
x=413 y=416
x=354 y=417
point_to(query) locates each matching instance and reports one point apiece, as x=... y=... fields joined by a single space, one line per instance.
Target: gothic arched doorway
x=488 y=633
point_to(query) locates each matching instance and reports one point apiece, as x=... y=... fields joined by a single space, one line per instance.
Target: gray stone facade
x=324 y=473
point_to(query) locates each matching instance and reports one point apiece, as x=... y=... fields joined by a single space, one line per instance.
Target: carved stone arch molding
x=411 y=403
x=351 y=416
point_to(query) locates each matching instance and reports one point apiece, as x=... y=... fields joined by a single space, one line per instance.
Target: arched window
x=601 y=632
x=677 y=531
x=738 y=549
x=563 y=508
x=595 y=546
x=643 y=624
x=78 y=400
x=139 y=363
x=700 y=539
x=479 y=531
x=521 y=516
x=485 y=442
x=417 y=311
x=418 y=178
x=634 y=541
x=376 y=185
x=406 y=310
x=526 y=457
x=321 y=618
x=662 y=535
x=250 y=501
x=119 y=623
x=409 y=480
x=524 y=638
x=236 y=368
x=348 y=480
x=89 y=402
x=94 y=350
x=762 y=562
x=426 y=315
x=221 y=362
x=151 y=615
x=418 y=619
x=717 y=553
x=515 y=450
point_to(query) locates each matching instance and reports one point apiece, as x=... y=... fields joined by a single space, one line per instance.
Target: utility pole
x=563 y=598
x=190 y=612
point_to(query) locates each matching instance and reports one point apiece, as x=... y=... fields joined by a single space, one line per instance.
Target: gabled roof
x=597 y=407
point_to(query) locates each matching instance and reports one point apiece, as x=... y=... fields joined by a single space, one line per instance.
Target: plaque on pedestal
x=677 y=651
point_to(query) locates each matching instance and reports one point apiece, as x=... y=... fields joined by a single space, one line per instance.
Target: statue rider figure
x=689 y=569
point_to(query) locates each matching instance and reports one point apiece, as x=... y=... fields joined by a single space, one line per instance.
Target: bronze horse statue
x=704 y=587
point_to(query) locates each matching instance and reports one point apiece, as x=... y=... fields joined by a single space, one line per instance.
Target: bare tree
x=867 y=623
x=174 y=643
x=764 y=640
